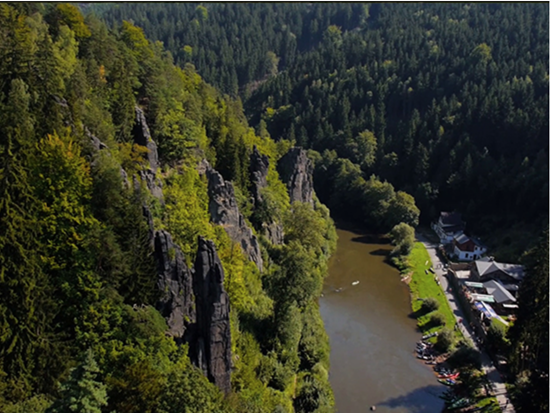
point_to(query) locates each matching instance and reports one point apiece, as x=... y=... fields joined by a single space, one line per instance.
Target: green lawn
x=423 y=285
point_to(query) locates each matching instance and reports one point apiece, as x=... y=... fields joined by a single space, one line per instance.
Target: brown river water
x=372 y=339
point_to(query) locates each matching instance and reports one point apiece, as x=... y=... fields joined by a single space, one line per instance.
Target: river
x=372 y=338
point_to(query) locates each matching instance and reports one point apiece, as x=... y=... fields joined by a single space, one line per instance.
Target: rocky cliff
x=211 y=349
x=224 y=211
x=296 y=170
x=175 y=282
x=142 y=137
x=259 y=167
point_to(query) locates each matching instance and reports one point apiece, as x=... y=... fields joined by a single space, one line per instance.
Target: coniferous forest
x=156 y=251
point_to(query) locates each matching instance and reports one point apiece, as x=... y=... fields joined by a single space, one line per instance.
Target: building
x=448 y=226
x=509 y=275
x=467 y=249
x=505 y=302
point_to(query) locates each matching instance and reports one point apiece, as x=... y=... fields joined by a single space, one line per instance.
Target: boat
x=355 y=283
x=447 y=382
x=452 y=376
x=459 y=404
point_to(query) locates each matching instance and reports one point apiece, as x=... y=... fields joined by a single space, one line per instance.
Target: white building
x=467 y=249
x=448 y=226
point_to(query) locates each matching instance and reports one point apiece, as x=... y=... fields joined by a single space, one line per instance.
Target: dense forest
x=147 y=155
x=407 y=109
x=446 y=102
x=112 y=163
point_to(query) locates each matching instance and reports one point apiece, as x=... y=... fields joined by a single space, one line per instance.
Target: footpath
x=499 y=388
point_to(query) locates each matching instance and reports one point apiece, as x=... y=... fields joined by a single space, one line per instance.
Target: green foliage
x=82 y=392
x=529 y=334
x=313 y=348
x=445 y=340
x=77 y=266
x=36 y=404
x=402 y=236
x=314 y=395
x=437 y=319
x=69 y=15
x=187 y=210
x=337 y=80
x=188 y=390
x=496 y=338
x=430 y=304
x=465 y=356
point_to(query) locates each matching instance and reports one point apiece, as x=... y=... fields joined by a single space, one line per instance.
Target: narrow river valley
x=371 y=336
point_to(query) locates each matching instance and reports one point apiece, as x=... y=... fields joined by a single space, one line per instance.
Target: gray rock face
x=211 y=350
x=259 y=166
x=176 y=284
x=224 y=211
x=142 y=136
x=124 y=177
x=274 y=232
x=96 y=143
x=296 y=172
x=154 y=185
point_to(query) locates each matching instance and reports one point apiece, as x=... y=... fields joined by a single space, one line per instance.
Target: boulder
x=211 y=349
x=296 y=170
x=224 y=211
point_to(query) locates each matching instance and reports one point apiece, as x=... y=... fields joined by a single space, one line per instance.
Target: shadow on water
x=371 y=239
x=381 y=252
x=418 y=401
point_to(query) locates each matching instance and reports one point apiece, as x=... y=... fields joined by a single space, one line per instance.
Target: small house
x=448 y=226
x=466 y=248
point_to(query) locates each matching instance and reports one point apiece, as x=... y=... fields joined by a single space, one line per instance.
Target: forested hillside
x=447 y=102
x=155 y=255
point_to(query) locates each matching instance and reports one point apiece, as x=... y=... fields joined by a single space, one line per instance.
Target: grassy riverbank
x=423 y=285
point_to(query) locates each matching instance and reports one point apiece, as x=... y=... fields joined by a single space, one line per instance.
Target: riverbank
x=423 y=284
x=499 y=391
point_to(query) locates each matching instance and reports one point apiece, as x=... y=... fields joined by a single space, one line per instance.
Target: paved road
x=499 y=389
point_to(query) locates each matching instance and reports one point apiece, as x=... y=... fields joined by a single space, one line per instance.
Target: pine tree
x=82 y=392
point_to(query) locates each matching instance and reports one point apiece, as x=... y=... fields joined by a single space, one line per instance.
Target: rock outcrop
x=274 y=232
x=259 y=167
x=142 y=137
x=295 y=170
x=211 y=349
x=154 y=185
x=224 y=211
x=175 y=282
